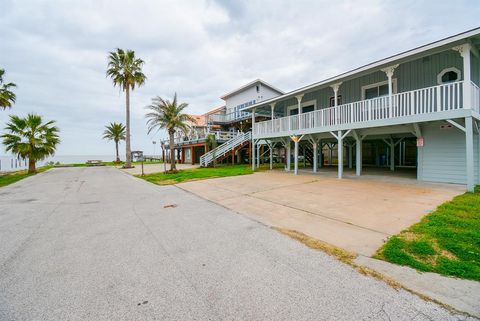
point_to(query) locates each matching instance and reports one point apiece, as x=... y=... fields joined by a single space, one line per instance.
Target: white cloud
x=56 y=51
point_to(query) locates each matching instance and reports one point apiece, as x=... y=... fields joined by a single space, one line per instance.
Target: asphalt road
x=97 y=244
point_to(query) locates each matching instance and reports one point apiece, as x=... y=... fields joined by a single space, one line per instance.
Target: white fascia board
x=415 y=53
x=250 y=84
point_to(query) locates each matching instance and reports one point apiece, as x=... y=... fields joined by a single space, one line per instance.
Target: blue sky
x=56 y=51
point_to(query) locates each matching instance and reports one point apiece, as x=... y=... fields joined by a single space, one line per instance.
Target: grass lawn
x=10 y=178
x=446 y=241
x=197 y=174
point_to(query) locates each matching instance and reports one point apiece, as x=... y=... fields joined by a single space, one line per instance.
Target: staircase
x=227 y=147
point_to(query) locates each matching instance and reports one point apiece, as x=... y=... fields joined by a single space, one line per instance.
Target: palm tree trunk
x=172 y=152
x=128 y=151
x=116 y=150
x=31 y=166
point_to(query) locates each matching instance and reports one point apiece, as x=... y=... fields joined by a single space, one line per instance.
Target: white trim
x=250 y=85
x=378 y=84
x=444 y=71
x=307 y=103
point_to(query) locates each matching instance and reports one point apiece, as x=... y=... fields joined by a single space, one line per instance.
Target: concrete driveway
x=357 y=214
x=97 y=244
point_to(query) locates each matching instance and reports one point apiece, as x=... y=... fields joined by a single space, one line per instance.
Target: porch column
x=340 y=154
x=296 y=140
x=192 y=155
x=315 y=157
x=295 y=158
x=299 y=100
x=271 y=155
x=340 y=137
x=464 y=51
x=272 y=106
x=335 y=88
x=288 y=156
x=253 y=140
x=358 y=156
x=469 y=153
x=258 y=155
x=389 y=72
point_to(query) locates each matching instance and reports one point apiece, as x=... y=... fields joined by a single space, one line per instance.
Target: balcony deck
x=426 y=104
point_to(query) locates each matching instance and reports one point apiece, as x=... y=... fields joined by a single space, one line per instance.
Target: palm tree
x=30 y=138
x=7 y=97
x=115 y=132
x=166 y=114
x=125 y=70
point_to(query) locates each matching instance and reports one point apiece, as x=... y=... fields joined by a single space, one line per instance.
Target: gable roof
x=250 y=84
x=472 y=36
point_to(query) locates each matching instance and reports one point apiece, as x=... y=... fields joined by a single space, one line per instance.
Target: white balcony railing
x=199 y=136
x=226 y=118
x=421 y=101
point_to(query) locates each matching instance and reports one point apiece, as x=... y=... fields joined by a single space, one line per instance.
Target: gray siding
x=443 y=159
x=423 y=72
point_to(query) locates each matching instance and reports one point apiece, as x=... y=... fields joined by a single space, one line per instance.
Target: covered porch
x=388 y=101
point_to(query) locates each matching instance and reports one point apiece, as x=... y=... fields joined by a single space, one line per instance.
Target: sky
x=56 y=52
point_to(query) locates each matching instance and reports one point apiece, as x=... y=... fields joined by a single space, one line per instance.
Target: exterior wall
x=249 y=94
x=443 y=159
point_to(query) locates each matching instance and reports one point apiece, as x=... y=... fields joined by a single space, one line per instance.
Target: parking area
x=355 y=213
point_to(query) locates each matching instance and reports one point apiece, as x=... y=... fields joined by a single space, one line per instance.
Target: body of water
x=11 y=163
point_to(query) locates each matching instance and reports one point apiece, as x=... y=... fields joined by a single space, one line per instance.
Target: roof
x=250 y=84
x=200 y=120
x=417 y=52
x=214 y=110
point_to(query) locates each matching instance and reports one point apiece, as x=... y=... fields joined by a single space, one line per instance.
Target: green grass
x=197 y=174
x=13 y=177
x=446 y=241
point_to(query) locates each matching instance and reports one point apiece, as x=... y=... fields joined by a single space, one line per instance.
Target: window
x=258 y=88
x=448 y=75
x=378 y=90
x=307 y=109
x=332 y=101
x=307 y=106
x=375 y=92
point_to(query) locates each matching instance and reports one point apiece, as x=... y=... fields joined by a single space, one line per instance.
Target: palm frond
x=30 y=138
x=166 y=114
